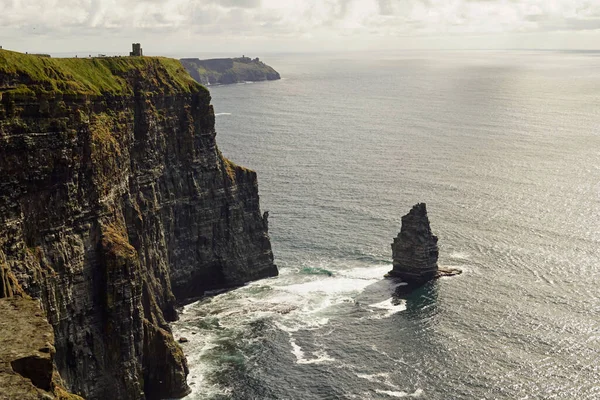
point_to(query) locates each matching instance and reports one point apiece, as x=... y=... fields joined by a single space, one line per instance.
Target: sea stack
x=415 y=251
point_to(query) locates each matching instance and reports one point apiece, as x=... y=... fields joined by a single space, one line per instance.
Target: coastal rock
x=115 y=204
x=415 y=252
x=27 y=353
x=25 y=346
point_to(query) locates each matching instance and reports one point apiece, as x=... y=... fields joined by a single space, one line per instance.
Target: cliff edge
x=115 y=203
x=221 y=71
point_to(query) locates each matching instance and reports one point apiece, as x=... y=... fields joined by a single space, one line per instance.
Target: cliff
x=229 y=70
x=115 y=203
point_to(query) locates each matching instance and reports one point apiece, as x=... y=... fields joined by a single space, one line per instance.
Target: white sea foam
x=389 y=306
x=459 y=255
x=330 y=286
x=391 y=393
x=196 y=349
x=320 y=356
x=383 y=378
x=374 y=273
x=224 y=113
x=291 y=326
x=293 y=302
x=318 y=293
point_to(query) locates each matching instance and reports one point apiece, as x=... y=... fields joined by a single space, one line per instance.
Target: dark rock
x=415 y=252
x=448 y=272
x=184 y=340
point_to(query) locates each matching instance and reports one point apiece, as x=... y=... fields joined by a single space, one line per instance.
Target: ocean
x=503 y=146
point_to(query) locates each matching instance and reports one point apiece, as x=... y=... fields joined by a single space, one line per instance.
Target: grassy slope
x=29 y=74
x=241 y=70
x=240 y=67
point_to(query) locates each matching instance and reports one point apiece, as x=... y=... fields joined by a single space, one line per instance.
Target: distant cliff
x=115 y=203
x=229 y=70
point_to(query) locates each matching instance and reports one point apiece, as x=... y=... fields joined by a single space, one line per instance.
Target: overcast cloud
x=264 y=25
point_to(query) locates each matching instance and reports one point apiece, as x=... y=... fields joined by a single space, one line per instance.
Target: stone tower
x=136 y=50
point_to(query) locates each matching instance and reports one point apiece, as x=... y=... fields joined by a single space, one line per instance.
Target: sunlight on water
x=503 y=147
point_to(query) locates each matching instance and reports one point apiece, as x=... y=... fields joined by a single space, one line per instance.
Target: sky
x=263 y=26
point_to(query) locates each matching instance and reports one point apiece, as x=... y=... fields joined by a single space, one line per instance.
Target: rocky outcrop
x=115 y=204
x=27 y=353
x=415 y=251
x=221 y=71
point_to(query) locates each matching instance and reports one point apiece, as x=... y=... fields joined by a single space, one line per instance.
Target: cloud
x=274 y=19
x=238 y=3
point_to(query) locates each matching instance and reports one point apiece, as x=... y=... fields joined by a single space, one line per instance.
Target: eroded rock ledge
x=27 y=353
x=415 y=252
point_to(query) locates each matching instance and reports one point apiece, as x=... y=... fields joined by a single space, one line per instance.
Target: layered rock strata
x=415 y=251
x=115 y=203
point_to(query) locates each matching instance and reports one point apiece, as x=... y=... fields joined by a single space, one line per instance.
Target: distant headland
x=221 y=71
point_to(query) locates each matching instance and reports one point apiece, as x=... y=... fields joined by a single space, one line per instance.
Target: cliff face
x=115 y=202
x=223 y=71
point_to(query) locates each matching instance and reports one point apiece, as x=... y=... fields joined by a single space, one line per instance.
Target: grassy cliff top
x=31 y=74
x=229 y=70
x=225 y=64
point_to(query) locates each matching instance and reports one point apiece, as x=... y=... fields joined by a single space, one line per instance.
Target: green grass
x=236 y=70
x=257 y=67
x=23 y=74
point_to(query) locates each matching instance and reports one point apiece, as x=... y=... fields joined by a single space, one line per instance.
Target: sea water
x=504 y=147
